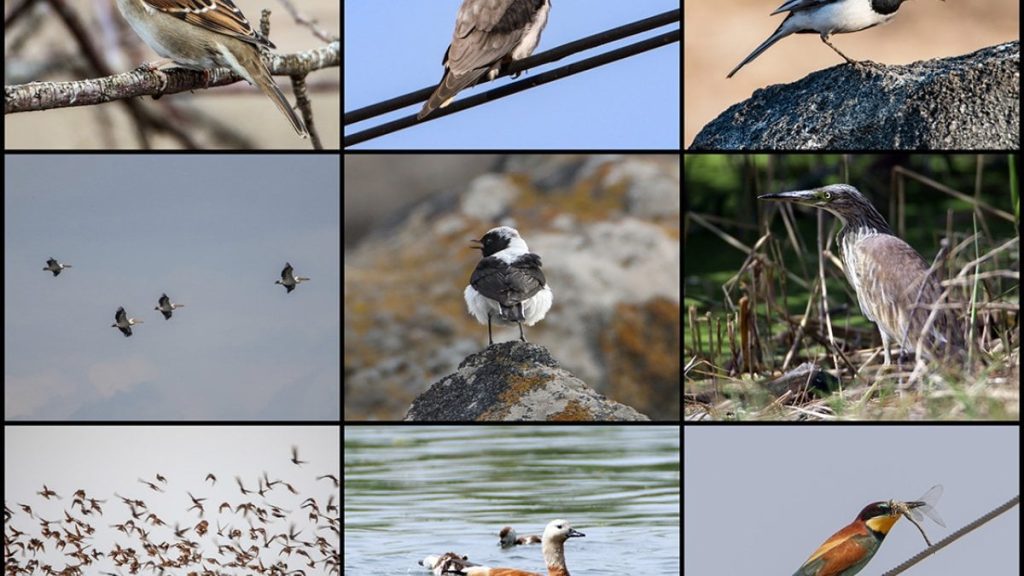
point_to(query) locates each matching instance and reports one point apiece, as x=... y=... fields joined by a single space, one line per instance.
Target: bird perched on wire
x=826 y=17
x=894 y=285
x=489 y=34
x=847 y=551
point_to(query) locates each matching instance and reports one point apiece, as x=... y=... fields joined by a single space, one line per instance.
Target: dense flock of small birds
x=244 y=535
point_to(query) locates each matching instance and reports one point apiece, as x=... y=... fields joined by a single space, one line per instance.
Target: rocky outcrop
x=607 y=229
x=966 y=102
x=515 y=381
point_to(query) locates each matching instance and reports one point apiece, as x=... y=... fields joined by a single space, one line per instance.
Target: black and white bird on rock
x=489 y=34
x=826 y=17
x=507 y=284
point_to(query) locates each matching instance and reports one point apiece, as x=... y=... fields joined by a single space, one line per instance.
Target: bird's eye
x=826 y=195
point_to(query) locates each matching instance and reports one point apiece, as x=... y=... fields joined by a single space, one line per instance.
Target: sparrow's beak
x=480 y=242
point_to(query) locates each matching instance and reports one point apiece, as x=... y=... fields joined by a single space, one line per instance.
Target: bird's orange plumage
x=845 y=548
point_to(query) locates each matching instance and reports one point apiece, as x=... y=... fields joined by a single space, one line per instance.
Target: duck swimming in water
x=447 y=563
x=552 y=547
x=509 y=538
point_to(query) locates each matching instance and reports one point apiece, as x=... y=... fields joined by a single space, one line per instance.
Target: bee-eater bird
x=847 y=551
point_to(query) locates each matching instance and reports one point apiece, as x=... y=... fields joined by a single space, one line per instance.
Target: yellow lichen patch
x=573 y=412
x=517 y=387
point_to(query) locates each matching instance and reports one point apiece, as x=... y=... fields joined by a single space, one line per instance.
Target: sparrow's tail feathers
x=266 y=83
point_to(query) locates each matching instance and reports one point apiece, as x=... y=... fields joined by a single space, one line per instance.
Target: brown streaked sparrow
x=204 y=34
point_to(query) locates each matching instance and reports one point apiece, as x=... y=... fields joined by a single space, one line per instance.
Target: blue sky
x=396 y=47
x=213 y=232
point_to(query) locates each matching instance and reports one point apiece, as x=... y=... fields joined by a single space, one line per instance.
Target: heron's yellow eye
x=826 y=195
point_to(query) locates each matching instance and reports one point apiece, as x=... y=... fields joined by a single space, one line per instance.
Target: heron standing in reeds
x=894 y=285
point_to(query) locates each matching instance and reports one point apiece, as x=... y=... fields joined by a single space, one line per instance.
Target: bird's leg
x=521 y=336
x=490 y=339
x=885 y=346
x=824 y=38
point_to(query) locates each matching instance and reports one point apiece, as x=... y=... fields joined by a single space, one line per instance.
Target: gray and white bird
x=166 y=307
x=53 y=266
x=507 y=284
x=123 y=323
x=826 y=17
x=289 y=280
x=489 y=34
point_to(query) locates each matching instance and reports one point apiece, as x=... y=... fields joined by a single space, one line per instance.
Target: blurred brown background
x=40 y=48
x=719 y=34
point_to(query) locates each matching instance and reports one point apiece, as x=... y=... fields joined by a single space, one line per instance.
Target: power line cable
x=516 y=67
x=953 y=537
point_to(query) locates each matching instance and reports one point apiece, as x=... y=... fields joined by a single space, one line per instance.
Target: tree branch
x=142 y=81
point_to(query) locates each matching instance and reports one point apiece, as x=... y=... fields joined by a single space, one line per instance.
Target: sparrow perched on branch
x=205 y=34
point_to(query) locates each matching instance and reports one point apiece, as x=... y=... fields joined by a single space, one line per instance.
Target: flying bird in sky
x=166 y=307
x=27 y=509
x=489 y=34
x=53 y=266
x=332 y=477
x=252 y=535
x=123 y=323
x=47 y=493
x=241 y=487
x=196 y=503
x=152 y=486
x=288 y=279
x=295 y=457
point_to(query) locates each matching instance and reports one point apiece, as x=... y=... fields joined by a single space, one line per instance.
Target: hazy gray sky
x=761 y=499
x=213 y=232
x=103 y=460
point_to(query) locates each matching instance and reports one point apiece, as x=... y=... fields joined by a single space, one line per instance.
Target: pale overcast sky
x=213 y=232
x=763 y=498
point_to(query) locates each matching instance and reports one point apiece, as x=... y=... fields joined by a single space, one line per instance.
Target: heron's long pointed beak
x=796 y=196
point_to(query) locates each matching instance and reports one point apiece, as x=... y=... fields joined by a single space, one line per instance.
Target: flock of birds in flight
x=255 y=547
x=123 y=323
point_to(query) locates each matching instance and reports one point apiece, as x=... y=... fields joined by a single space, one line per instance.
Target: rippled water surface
x=411 y=491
